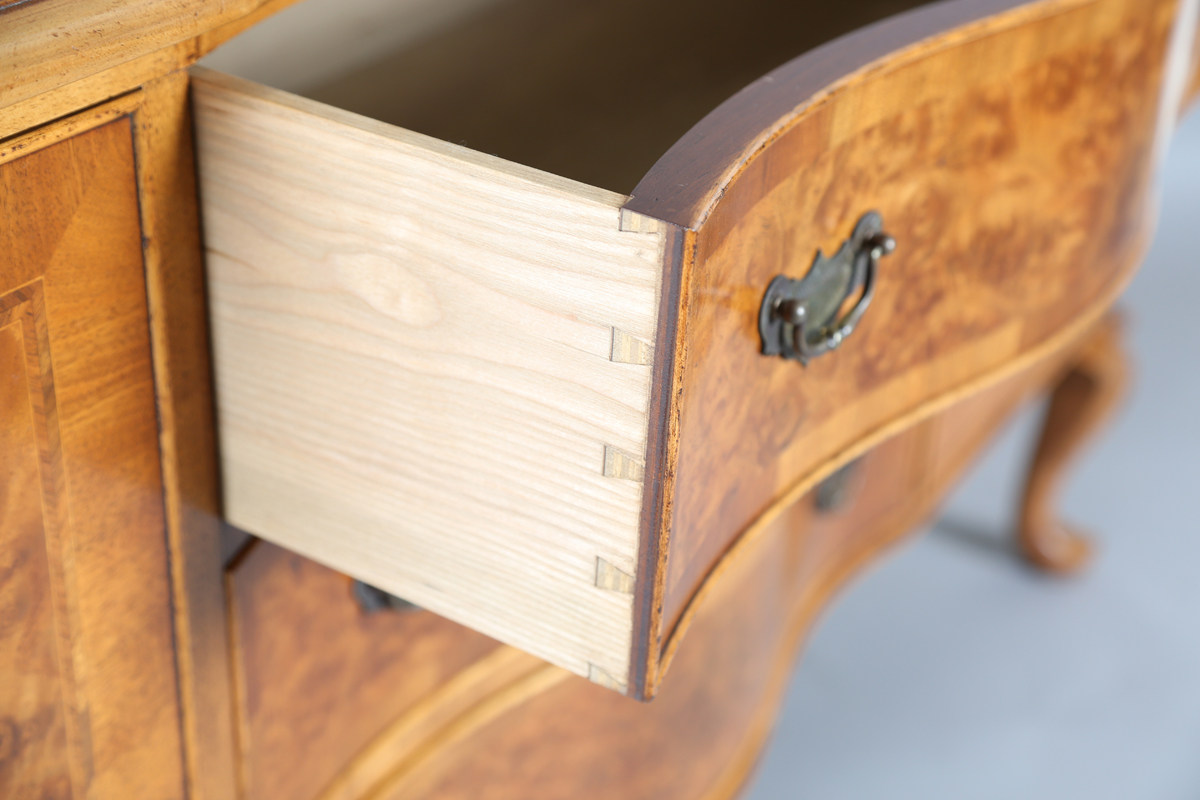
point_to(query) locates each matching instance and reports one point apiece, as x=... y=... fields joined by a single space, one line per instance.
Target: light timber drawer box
x=434 y=367
x=538 y=407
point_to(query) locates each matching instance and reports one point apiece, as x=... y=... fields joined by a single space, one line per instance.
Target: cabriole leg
x=1081 y=403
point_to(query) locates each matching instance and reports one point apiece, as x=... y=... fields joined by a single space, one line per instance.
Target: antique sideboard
x=494 y=420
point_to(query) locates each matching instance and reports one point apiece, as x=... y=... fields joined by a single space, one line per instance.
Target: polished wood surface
x=166 y=181
x=1019 y=199
x=87 y=625
x=685 y=184
x=1081 y=403
x=47 y=44
x=702 y=735
x=603 y=744
x=16 y=146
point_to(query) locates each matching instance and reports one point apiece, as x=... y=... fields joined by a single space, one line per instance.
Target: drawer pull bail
x=372 y=600
x=799 y=318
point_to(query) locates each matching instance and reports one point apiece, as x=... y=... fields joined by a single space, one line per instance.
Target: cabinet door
x=88 y=702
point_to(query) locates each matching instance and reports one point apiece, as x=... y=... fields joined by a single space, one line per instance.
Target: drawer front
x=1012 y=163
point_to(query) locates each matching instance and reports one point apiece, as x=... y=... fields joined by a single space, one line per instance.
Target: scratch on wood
x=619 y=464
x=628 y=350
x=611 y=578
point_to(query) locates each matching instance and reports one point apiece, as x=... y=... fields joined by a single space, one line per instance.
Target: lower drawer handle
x=371 y=600
x=799 y=319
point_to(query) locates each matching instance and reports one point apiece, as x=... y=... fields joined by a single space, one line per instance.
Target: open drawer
x=538 y=407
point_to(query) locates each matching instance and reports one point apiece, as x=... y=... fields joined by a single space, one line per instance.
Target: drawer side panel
x=433 y=367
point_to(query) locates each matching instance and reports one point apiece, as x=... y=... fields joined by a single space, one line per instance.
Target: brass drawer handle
x=798 y=318
x=835 y=492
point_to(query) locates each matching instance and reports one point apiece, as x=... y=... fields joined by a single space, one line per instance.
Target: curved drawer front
x=1011 y=159
x=538 y=408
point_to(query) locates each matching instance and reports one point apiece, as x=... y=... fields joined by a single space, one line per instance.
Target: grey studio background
x=950 y=670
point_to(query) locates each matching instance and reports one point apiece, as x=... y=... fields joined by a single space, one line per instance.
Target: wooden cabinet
x=524 y=390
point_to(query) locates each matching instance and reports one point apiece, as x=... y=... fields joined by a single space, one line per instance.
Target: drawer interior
x=592 y=91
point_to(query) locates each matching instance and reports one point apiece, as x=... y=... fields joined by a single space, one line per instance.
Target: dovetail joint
x=633 y=222
x=619 y=464
x=612 y=578
x=627 y=349
x=597 y=675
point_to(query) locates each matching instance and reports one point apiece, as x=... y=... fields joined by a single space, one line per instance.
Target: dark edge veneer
x=658 y=489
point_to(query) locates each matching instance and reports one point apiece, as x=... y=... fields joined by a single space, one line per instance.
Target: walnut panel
x=72 y=282
x=1014 y=171
x=34 y=759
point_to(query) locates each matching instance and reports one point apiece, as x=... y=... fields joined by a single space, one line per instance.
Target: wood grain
x=684 y=185
x=413 y=361
x=73 y=260
x=17 y=146
x=1019 y=199
x=604 y=745
x=1055 y=101
x=48 y=44
x=187 y=439
x=499 y=680
x=91 y=715
x=43 y=109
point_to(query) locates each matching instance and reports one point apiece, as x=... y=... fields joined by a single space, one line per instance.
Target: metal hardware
x=834 y=492
x=799 y=320
x=371 y=600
